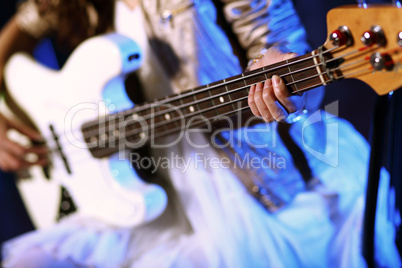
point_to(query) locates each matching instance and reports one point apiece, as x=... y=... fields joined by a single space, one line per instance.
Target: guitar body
x=91 y=84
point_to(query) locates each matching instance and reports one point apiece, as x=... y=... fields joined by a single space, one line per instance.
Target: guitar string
x=189 y=104
x=263 y=71
x=240 y=99
x=181 y=96
x=204 y=88
x=84 y=153
x=225 y=83
x=187 y=94
x=170 y=131
x=232 y=112
x=186 y=105
x=202 y=110
x=192 y=93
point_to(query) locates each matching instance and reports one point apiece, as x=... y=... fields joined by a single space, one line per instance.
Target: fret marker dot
x=191 y=108
x=112 y=107
x=93 y=140
x=167 y=116
x=134 y=116
x=142 y=135
x=103 y=136
x=221 y=99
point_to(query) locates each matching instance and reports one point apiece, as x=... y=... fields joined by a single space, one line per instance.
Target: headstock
x=369 y=43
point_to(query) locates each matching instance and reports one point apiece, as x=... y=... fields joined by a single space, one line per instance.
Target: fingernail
x=276 y=80
x=257 y=88
x=268 y=83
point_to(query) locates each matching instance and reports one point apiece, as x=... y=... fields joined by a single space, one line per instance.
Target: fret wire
x=291 y=75
x=265 y=74
x=175 y=123
x=244 y=79
x=165 y=116
x=104 y=124
x=197 y=102
x=303 y=79
x=245 y=82
x=228 y=92
x=181 y=100
x=212 y=100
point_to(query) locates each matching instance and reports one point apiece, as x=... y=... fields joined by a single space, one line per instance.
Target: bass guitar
x=90 y=122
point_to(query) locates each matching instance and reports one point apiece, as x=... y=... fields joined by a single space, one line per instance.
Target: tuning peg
x=381 y=61
x=341 y=36
x=377 y=61
x=374 y=36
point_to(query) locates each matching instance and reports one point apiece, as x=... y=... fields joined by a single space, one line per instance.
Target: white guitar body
x=89 y=85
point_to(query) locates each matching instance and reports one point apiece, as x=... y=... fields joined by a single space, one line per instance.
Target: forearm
x=262 y=24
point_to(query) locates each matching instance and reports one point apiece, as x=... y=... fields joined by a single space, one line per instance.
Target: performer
x=212 y=220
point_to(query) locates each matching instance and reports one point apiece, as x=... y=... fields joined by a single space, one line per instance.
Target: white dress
x=221 y=225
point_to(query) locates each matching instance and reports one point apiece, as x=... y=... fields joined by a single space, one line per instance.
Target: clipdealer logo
x=316 y=129
x=204 y=161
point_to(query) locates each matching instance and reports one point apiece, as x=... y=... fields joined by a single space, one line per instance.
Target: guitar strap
x=299 y=158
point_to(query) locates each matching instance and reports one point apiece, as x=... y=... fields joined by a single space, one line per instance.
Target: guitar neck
x=134 y=127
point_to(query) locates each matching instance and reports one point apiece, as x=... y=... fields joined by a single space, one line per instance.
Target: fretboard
x=193 y=108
